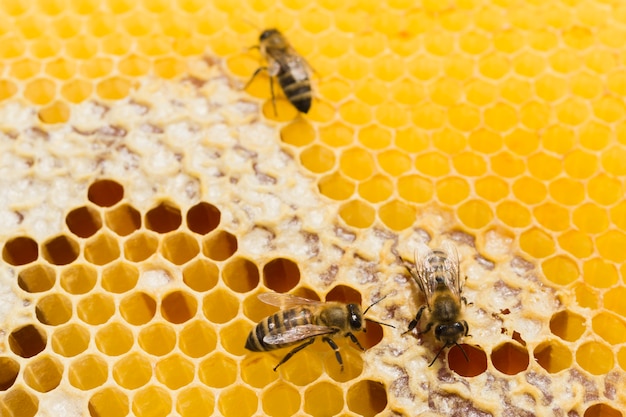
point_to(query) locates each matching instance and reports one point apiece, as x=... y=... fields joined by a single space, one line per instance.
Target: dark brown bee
x=301 y=319
x=437 y=275
x=291 y=69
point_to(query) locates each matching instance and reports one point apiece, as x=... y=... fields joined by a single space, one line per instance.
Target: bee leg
x=334 y=347
x=355 y=340
x=254 y=76
x=294 y=351
x=416 y=320
x=273 y=96
x=464 y=324
x=427 y=329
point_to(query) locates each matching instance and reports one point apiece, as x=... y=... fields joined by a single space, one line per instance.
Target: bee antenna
x=438 y=353
x=249 y=22
x=379 y=322
x=462 y=350
x=373 y=304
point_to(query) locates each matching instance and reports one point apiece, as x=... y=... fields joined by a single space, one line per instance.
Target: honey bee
x=438 y=277
x=301 y=319
x=291 y=69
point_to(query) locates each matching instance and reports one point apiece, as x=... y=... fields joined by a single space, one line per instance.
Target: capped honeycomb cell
x=84 y=221
x=27 y=341
x=36 y=278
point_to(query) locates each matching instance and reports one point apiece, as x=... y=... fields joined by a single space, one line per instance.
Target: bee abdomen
x=276 y=323
x=298 y=92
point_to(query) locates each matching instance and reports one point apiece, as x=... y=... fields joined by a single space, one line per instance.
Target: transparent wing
x=452 y=268
x=295 y=334
x=421 y=275
x=289 y=61
x=286 y=300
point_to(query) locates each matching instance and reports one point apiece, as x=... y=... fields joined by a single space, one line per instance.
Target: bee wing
x=420 y=275
x=295 y=334
x=286 y=300
x=453 y=275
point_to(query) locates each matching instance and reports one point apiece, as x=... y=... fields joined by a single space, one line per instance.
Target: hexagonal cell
x=114 y=339
x=553 y=356
x=560 y=270
x=163 y=218
x=323 y=399
x=568 y=325
x=255 y=309
x=195 y=401
x=344 y=294
x=179 y=248
x=357 y=214
x=108 y=402
x=367 y=397
x=241 y=275
x=157 y=339
x=233 y=337
x=175 y=371
x=20 y=250
x=238 y=401
x=44 y=373
x=88 y=372
x=258 y=370
x=9 y=370
x=602 y=410
x=178 y=307
x=609 y=327
x=27 y=341
x=102 y=249
x=140 y=246
x=281 y=274
x=152 y=402
x=70 y=340
x=132 y=371
x=60 y=250
x=123 y=220
x=54 y=309
x=595 y=357
x=105 y=193
x=476 y=365
x=220 y=306
x=84 y=221
x=78 y=279
x=510 y=358
x=219 y=246
x=138 y=308
x=203 y=218
x=19 y=402
x=36 y=278
x=351 y=356
x=96 y=308
x=281 y=400
x=119 y=277
x=197 y=339
x=201 y=275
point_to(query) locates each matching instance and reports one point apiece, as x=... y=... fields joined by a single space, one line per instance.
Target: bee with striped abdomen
x=438 y=277
x=291 y=69
x=301 y=319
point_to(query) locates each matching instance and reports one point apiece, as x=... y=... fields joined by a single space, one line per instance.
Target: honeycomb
x=148 y=199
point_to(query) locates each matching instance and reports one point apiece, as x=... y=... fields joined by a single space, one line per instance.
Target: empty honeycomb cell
x=105 y=193
x=433 y=164
x=572 y=112
x=618 y=215
x=614 y=300
x=357 y=214
x=475 y=214
x=500 y=117
x=415 y=188
x=513 y=214
x=178 y=307
x=70 y=340
x=19 y=402
x=241 y=275
x=476 y=365
x=609 y=327
x=580 y=164
x=494 y=66
x=237 y=401
x=220 y=306
x=367 y=397
x=468 y=164
x=552 y=217
x=595 y=136
x=604 y=189
x=108 y=402
x=353 y=67
x=76 y=90
x=449 y=141
x=138 y=308
x=56 y=112
x=529 y=190
x=298 y=133
x=60 y=250
x=281 y=399
x=96 y=308
x=610 y=109
x=25 y=69
x=114 y=88
x=335 y=186
x=406 y=91
x=175 y=371
x=411 y=140
x=599 y=273
x=9 y=370
x=27 y=341
x=465 y=117
x=602 y=410
x=137 y=24
x=281 y=274
x=549 y=87
x=586 y=297
x=195 y=402
x=376 y=189
x=203 y=218
x=7 y=89
x=44 y=373
x=152 y=401
x=621 y=358
x=97 y=68
x=336 y=135
x=374 y=137
x=197 y=339
x=616 y=82
x=485 y=141
x=40 y=91
x=586 y=86
x=132 y=371
x=595 y=358
x=157 y=339
x=355 y=112
x=559 y=139
x=233 y=337
x=119 y=277
x=510 y=358
x=140 y=246
x=613 y=160
x=568 y=325
x=257 y=370
x=54 y=309
x=567 y=191
x=61 y=69
x=429 y=116
x=114 y=339
x=397 y=215
x=218 y=370
x=36 y=278
x=123 y=219
x=169 y=67
x=280 y=109
x=163 y=218
x=179 y=248
x=88 y=372
x=577 y=243
x=78 y=278
x=357 y=163
x=344 y=294
x=491 y=188
x=201 y=275
x=553 y=356
x=610 y=245
x=20 y=250
x=445 y=92
x=560 y=270
x=323 y=399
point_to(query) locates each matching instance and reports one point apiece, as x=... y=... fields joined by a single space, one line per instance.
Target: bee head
x=355 y=317
x=450 y=333
x=267 y=33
